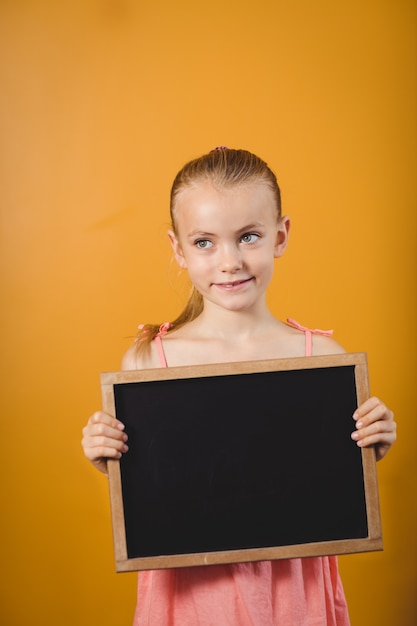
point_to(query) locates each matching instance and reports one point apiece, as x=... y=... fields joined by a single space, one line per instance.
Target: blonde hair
x=224 y=167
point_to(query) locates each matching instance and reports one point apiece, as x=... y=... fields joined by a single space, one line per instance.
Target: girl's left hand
x=375 y=425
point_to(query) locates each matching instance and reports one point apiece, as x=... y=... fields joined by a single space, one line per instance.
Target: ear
x=283 y=234
x=176 y=247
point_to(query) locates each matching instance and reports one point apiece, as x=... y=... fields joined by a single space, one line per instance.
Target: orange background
x=101 y=102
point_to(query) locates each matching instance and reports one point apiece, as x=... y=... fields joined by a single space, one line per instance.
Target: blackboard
x=241 y=461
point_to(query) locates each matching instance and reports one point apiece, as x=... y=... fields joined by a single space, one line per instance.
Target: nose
x=230 y=259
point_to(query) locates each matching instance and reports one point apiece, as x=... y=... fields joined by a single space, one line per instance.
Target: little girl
x=227 y=231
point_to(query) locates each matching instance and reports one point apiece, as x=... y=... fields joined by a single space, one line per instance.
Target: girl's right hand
x=103 y=438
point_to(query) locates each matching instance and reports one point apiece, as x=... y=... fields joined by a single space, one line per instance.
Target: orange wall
x=101 y=102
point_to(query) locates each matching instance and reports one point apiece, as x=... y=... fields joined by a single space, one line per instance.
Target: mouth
x=233 y=285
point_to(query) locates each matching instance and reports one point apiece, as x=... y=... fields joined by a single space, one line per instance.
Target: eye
x=249 y=238
x=203 y=244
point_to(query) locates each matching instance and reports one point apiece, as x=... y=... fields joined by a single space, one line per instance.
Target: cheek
x=264 y=265
x=194 y=263
x=197 y=266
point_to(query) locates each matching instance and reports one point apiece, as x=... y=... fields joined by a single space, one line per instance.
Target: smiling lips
x=232 y=285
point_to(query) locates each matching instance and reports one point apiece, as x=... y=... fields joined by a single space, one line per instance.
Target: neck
x=224 y=323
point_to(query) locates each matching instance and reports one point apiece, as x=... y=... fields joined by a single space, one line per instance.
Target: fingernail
x=120 y=426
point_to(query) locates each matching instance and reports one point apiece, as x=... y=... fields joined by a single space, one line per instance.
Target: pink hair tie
x=219 y=148
x=164 y=328
x=144 y=332
x=142 y=327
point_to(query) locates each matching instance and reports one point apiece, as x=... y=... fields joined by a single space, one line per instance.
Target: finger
x=377 y=439
x=381 y=431
x=98 y=453
x=366 y=407
x=101 y=424
x=94 y=444
x=99 y=417
x=103 y=430
x=372 y=428
x=372 y=411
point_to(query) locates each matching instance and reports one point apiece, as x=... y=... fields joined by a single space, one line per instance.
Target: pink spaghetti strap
x=161 y=352
x=309 y=332
x=163 y=329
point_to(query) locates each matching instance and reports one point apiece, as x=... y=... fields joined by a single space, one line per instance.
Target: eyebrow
x=245 y=229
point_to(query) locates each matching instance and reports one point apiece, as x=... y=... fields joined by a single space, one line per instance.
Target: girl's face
x=228 y=239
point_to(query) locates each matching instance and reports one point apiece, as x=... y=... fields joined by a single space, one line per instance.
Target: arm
x=375 y=425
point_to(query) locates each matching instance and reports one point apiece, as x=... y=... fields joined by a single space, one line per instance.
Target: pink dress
x=292 y=592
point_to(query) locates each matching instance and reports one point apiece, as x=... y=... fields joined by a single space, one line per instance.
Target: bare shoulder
x=323 y=345
x=133 y=359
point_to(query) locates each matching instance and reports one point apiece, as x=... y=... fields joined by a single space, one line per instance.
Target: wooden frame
x=241 y=462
